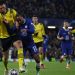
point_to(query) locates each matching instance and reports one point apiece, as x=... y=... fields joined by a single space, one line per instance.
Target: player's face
x=66 y=25
x=3 y=8
x=35 y=19
x=20 y=19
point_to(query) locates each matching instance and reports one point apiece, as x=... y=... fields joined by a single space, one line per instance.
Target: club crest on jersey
x=26 y=26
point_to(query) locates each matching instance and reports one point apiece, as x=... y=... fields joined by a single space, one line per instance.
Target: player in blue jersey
x=65 y=36
x=24 y=30
x=45 y=45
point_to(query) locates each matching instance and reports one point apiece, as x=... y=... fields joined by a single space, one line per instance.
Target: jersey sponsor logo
x=23 y=32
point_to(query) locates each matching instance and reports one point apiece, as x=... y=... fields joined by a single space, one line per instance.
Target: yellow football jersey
x=73 y=31
x=10 y=17
x=39 y=29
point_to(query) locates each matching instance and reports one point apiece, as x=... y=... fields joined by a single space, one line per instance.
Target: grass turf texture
x=52 y=68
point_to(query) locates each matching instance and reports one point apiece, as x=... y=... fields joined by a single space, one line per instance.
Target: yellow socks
x=41 y=58
x=20 y=57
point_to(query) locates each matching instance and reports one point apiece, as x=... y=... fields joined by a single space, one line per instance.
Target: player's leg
x=5 y=59
x=37 y=59
x=68 y=58
x=18 y=44
x=41 y=54
x=62 y=58
x=6 y=43
x=45 y=52
x=13 y=54
x=0 y=51
x=0 y=54
x=34 y=51
x=68 y=61
x=63 y=50
x=26 y=57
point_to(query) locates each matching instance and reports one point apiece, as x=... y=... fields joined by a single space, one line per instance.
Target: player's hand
x=17 y=24
x=61 y=38
x=5 y=22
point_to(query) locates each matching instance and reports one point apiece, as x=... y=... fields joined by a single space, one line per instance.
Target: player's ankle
x=38 y=67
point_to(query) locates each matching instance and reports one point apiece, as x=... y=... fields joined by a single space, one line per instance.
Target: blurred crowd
x=44 y=8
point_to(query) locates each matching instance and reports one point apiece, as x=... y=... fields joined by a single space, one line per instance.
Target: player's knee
x=41 y=50
x=5 y=56
x=5 y=59
x=18 y=44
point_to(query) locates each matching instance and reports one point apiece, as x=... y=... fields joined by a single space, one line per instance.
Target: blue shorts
x=66 y=49
x=44 y=48
x=30 y=46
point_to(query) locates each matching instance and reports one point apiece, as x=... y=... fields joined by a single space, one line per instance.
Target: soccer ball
x=13 y=72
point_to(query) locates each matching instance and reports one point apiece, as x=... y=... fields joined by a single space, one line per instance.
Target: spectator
x=44 y=8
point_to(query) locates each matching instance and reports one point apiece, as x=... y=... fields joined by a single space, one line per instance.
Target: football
x=13 y=72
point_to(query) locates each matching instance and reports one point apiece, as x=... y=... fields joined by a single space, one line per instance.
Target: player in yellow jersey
x=4 y=35
x=7 y=17
x=38 y=38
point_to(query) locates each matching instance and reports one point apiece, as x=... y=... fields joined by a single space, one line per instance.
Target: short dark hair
x=35 y=15
x=66 y=21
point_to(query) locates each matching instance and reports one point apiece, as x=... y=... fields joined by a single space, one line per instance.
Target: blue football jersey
x=65 y=34
x=30 y=30
x=66 y=43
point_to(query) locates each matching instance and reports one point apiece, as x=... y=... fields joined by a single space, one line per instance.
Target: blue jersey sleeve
x=30 y=28
x=60 y=33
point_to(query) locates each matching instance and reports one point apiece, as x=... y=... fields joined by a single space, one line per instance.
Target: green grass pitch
x=51 y=68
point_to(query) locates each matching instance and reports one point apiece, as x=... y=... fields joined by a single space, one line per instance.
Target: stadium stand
x=44 y=8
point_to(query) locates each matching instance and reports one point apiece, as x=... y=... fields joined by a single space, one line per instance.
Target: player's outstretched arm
x=60 y=38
